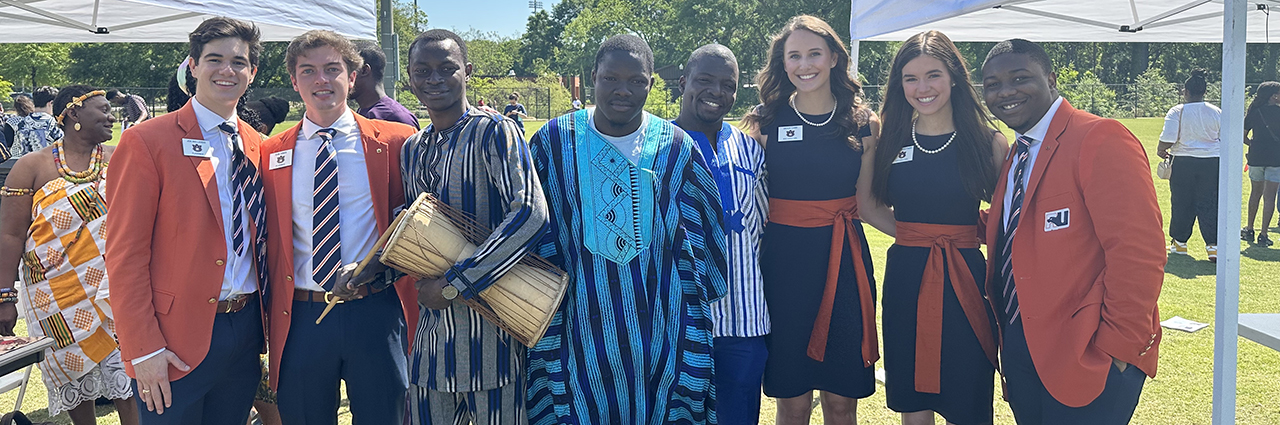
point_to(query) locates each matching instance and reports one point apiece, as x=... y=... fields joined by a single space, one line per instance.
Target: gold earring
x=77 y=127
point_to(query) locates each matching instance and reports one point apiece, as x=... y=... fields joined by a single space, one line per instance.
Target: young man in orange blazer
x=188 y=244
x=1076 y=248
x=333 y=186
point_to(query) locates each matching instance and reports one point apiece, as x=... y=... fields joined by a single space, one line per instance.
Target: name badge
x=1057 y=220
x=197 y=148
x=281 y=159
x=905 y=154
x=791 y=133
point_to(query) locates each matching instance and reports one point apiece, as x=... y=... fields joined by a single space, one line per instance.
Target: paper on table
x=1177 y=322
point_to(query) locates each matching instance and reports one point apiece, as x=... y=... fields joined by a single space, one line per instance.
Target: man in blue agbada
x=635 y=220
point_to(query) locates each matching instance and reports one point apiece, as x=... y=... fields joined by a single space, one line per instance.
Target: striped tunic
x=737 y=162
x=631 y=342
x=481 y=165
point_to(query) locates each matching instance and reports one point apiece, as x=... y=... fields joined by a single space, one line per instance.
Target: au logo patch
x=1057 y=220
x=791 y=133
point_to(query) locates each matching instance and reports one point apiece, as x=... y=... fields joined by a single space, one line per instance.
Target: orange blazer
x=166 y=254
x=1089 y=255
x=382 y=141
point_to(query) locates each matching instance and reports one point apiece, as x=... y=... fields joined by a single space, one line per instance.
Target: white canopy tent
x=159 y=21
x=1230 y=22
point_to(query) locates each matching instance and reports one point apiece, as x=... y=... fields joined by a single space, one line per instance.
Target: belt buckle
x=330 y=298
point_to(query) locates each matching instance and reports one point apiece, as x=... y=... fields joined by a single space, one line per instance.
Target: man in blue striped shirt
x=464 y=369
x=740 y=319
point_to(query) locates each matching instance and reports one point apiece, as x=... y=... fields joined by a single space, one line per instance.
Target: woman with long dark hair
x=1263 y=120
x=923 y=180
x=1190 y=135
x=818 y=288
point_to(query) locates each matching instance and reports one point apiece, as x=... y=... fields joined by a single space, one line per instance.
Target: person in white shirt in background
x=1191 y=136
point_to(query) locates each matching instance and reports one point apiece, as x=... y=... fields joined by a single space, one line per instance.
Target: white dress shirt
x=239 y=277
x=357 y=225
x=1037 y=134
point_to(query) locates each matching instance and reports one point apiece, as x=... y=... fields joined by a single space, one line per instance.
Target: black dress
x=928 y=189
x=821 y=166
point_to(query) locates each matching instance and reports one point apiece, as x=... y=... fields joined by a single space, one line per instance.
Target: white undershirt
x=630 y=144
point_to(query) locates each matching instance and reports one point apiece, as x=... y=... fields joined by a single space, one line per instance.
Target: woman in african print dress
x=53 y=229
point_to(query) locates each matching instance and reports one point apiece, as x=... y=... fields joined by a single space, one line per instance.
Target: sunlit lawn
x=1180 y=394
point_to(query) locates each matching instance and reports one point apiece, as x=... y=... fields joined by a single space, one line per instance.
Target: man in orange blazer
x=333 y=186
x=187 y=249
x=1076 y=248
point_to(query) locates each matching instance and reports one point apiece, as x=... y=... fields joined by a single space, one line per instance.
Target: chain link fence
x=1107 y=100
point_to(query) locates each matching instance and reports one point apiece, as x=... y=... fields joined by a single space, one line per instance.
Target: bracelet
x=6 y=300
x=8 y=191
x=4 y=292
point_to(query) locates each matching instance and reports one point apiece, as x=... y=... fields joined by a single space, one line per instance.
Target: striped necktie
x=237 y=193
x=246 y=194
x=326 y=241
x=1011 y=310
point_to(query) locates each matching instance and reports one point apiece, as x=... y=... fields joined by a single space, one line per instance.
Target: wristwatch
x=449 y=292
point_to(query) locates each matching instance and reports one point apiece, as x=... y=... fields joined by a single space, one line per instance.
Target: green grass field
x=1182 y=391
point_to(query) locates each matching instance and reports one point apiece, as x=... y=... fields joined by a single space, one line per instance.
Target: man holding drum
x=332 y=186
x=464 y=368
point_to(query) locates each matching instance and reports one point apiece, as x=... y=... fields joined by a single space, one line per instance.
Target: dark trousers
x=219 y=391
x=739 y=366
x=1193 y=195
x=1033 y=405
x=361 y=342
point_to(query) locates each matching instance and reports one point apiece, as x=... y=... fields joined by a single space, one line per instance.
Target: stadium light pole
x=390 y=46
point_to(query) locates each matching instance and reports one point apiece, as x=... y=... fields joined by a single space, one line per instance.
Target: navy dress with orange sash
x=935 y=360
x=818 y=318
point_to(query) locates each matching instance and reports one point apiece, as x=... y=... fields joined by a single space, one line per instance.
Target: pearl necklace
x=792 y=101
x=922 y=149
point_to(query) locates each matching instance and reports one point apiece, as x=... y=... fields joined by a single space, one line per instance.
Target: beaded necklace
x=92 y=174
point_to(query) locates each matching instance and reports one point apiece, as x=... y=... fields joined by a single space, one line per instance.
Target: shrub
x=1151 y=95
x=1085 y=91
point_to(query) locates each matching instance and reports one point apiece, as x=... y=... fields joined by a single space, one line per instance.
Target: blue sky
x=507 y=18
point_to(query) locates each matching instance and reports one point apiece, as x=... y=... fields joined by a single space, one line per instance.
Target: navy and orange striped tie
x=1009 y=291
x=326 y=254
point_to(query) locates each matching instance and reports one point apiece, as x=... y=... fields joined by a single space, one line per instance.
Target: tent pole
x=390 y=47
x=853 y=60
x=1227 y=303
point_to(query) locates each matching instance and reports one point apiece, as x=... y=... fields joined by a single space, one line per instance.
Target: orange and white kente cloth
x=63 y=272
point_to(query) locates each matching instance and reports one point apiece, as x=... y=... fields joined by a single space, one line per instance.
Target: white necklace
x=792 y=101
x=922 y=149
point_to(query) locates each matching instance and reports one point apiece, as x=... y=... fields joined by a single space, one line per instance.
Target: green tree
x=1152 y=95
x=35 y=64
x=5 y=87
x=405 y=21
x=1087 y=92
x=660 y=102
x=125 y=64
x=491 y=54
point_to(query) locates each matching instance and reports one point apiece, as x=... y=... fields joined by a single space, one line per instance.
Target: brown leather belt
x=236 y=303
x=318 y=297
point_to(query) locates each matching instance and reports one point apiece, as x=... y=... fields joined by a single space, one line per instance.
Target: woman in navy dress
x=812 y=124
x=935 y=161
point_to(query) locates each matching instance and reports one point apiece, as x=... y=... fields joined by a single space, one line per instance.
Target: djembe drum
x=430 y=236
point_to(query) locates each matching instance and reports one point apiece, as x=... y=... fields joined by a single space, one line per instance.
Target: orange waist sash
x=940 y=238
x=839 y=214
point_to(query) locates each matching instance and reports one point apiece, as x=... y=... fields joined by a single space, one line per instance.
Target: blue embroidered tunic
x=643 y=246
